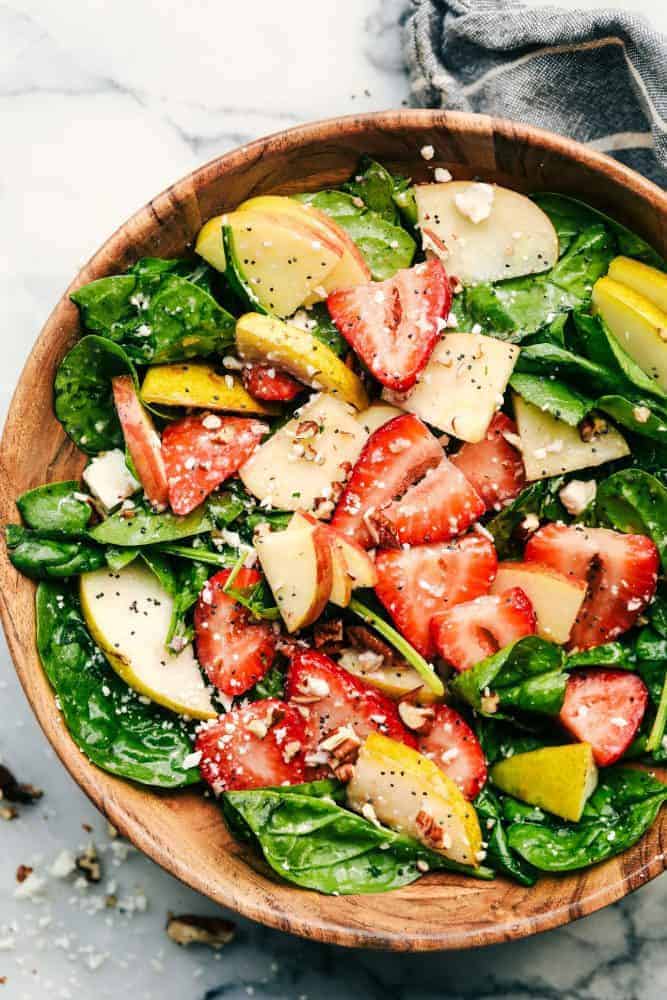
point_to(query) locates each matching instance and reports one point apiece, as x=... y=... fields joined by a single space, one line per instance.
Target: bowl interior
x=184 y=832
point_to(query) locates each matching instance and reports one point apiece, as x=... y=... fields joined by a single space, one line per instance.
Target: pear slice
x=209 y=244
x=556 y=598
x=410 y=794
x=484 y=232
x=558 y=779
x=377 y=415
x=128 y=614
x=647 y=280
x=462 y=385
x=396 y=680
x=200 y=385
x=550 y=447
x=269 y=341
x=637 y=323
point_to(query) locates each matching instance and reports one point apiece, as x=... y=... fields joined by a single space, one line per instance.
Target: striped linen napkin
x=596 y=76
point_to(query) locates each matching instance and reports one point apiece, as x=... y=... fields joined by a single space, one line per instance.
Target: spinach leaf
x=500 y=738
x=40 y=557
x=320 y=324
x=620 y=811
x=526 y=676
x=109 y=724
x=56 y=509
x=632 y=415
x=520 y=306
x=224 y=558
x=196 y=271
x=118 y=558
x=570 y=216
x=553 y=397
x=156 y=314
x=599 y=344
x=379 y=189
x=83 y=399
x=551 y=361
x=541 y=499
x=146 y=527
x=183 y=581
x=315 y=843
x=272 y=685
x=499 y=855
x=385 y=247
x=634 y=501
x=611 y=654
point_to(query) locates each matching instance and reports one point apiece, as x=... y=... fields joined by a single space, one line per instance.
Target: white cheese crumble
x=577 y=495
x=427 y=152
x=109 y=479
x=475 y=202
x=442 y=175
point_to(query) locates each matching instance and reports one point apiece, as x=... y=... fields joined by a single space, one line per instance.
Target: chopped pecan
x=593 y=426
x=431 y=831
x=89 y=864
x=22 y=872
x=343 y=744
x=362 y=638
x=188 y=929
x=419 y=718
x=328 y=636
x=344 y=772
x=14 y=791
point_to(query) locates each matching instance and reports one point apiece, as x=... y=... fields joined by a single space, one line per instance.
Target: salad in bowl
x=372 y=533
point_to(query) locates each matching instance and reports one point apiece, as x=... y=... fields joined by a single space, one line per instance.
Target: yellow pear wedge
x=410 y=794
x=637 y=323
x=558 y=779
x=202 y=386
x=128 y=615
x=647 y=280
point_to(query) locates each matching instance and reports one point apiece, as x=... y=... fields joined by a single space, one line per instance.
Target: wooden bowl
x=184 y=832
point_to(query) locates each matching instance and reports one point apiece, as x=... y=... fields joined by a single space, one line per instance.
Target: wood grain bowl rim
x=338 y=920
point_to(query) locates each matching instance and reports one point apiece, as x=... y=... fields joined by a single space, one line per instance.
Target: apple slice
x=142 y=440
x=352 y=566
x=462 y=385
x=396 y=785
x=305 y=463
x=377 y=415
x=396 y=680
x=647 y=280
x=550 y=447
x=350 y=270
x=298 y=565
x=637 y=323
x=128 y=613
x=484 y=232
x=556 y=598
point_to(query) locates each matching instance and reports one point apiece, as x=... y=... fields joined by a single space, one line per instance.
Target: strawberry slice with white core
x=494 y=466
x=451 y=744
x=234 y=649
x=201 y=452
x=439 y=507
x=142 y=440
x=621 y=572
x=254 y=746
x=393 y=325
x=270 y=384
x=604 y=708
x=470 y=632
x=416 y=583
x=395 y=456
x=334 y=701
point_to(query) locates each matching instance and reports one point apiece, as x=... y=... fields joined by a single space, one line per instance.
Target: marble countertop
x=102 y=105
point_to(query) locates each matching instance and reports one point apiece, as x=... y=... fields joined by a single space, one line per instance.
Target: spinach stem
x=655 y=737
x=415 y=659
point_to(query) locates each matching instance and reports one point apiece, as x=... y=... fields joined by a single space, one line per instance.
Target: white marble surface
x=103 y=103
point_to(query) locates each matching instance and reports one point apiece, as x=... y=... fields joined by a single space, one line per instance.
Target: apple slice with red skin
x=142 y=440
x=352 y=566
x=298 y=565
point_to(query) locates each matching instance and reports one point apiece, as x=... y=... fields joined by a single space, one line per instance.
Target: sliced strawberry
x=142 y=440
x=200 y=452
x=621 y=572
x=332 y=699
x=393 y=325
x=233 y=648
x=415 y=583
x=604 y=708
x=254 y=746
x=493 y=466
x=396 y=455
x=451 y=744
x=439 y=507
x=470 y=632
x=270 y=384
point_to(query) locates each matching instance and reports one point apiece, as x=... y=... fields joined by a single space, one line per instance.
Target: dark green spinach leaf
x=146 y=527
x=634 y=501
x=553 y=397
x=41 y=557
x=540 y=499
x=499 y=855
x=56 y=509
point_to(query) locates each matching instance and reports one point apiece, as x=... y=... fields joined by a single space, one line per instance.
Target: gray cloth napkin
x=596 y=76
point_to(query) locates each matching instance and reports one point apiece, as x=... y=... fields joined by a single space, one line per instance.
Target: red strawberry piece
x=493 y=466
x=234 y=649
x=416 y=583
x=452 y=745
x=253 y=746
x=270 y=384
x=201 y=451
x=621 y=572
x=393 y=325
x=439 y=507
x=334 y=700
x=142 y=440
x=604 y=708
x=395 y=456
x=471 y=631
